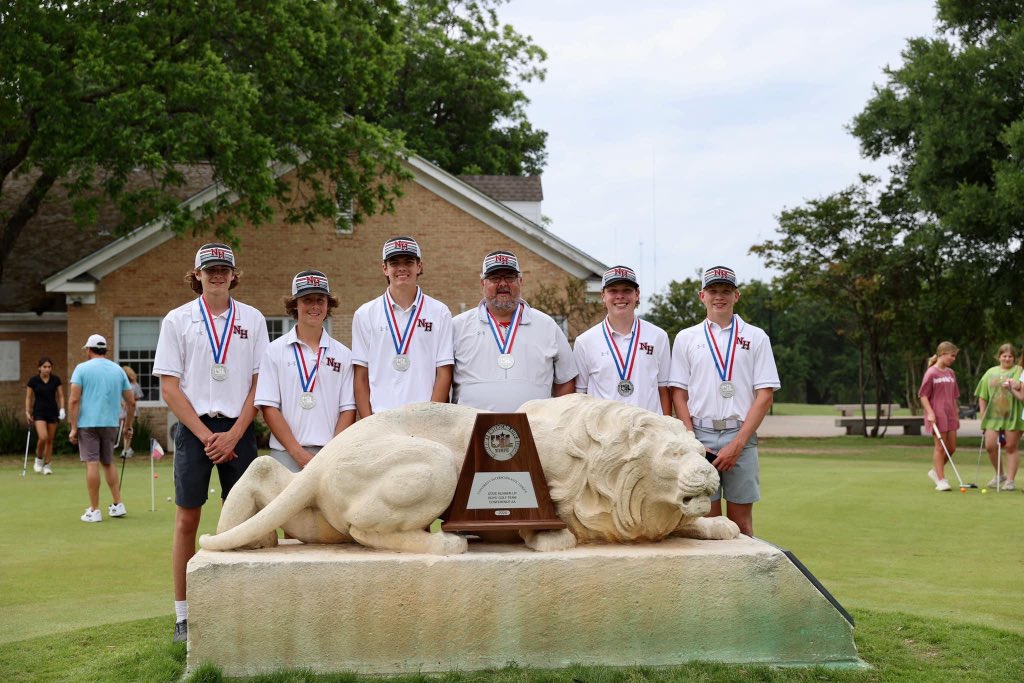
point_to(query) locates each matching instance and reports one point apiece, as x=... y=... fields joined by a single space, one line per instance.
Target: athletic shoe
x=127 y=453
x=942 y=485
x=38 y=466
x=994 y=482
x=934 y=477
x=181 y=632
x=117 y=510
x=46 y=469
x=1008 y=485
x=91 y=516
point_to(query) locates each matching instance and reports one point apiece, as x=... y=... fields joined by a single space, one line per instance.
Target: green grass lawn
x=932 y=578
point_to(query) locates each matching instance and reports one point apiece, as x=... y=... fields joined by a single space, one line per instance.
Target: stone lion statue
x=615 y=473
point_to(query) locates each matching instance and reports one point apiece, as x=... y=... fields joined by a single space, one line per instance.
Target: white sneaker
x=942 y=485
x=994 y=482
x=934 y=477
x=1008 y=485
x=92 y=515
x=117 y=510
x=127 y=453
x=38 y=466
x=46 y=469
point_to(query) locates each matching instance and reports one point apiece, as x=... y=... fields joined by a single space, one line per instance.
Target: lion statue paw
x=709 y=529
x=548 y=541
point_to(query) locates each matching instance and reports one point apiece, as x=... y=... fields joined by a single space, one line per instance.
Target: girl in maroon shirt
x=939 y=395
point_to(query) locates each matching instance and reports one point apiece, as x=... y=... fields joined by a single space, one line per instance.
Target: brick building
x=62 y=283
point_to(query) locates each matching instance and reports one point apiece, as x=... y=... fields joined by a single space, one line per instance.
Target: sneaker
x=994 y=482
x=46 y=469
x=38 y=466
x=1008 y=485
x=91 y=516
x=942 y=485
x=117 y=510
x=934 y=477
x=127 y=453
x=181 y=632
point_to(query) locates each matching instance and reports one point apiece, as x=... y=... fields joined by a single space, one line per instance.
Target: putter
x=938 y=435
x=999 y=460
x=981 y=445
x=24 y=465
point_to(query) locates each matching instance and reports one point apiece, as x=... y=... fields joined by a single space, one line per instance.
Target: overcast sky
x=678 y=130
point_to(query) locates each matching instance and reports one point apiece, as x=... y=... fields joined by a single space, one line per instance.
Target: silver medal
x=625 y=388
x=506 y=361
x=219 y=372
x=727 y=389
x=307 y=400
x=400 y=362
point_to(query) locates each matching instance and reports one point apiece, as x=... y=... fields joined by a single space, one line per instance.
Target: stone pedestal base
x=346 y=608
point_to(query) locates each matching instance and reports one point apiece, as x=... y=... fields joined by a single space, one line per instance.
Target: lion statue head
x=618 y=473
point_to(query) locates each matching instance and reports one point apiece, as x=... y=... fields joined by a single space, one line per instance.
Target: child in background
x=1001 y=412
x=939 y=395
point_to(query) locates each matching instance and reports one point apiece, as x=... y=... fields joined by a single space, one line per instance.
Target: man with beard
x=507 y=353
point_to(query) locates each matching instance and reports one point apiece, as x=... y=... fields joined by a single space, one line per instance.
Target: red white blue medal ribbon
x=218 y=345
x=725 y=365
x=401 y=340
x=624 y=366
x=505 y=342
x=306 y=378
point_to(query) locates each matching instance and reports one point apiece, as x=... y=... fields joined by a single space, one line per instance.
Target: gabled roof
x=51 y=241
x=507 y=188
x=80 y=277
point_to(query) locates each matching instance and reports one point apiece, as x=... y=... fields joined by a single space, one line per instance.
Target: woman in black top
x=44 y=406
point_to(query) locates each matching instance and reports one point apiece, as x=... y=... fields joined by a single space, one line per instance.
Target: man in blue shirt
x=97 y=388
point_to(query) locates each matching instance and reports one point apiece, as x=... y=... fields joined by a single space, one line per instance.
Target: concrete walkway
x=825 y=425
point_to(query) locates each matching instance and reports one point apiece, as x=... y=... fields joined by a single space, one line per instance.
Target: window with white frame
x=136 y=348
x=343 y=224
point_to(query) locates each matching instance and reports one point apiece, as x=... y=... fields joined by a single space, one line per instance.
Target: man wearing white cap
x=623 y=358
x=305 y=383
x=207 y=358
x=402 y=340
x=723 y=377
x=94 y=409
x=507 y=353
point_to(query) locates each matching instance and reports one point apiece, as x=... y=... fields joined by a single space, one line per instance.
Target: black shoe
x=181 y=632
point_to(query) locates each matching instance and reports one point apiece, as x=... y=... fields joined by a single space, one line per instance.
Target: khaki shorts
x=97 y=444
x=742 y=484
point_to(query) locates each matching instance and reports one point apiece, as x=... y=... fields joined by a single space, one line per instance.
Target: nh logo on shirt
x=745 y=344
x=241 y=332
x=334 y=365
x=647 y=348
x=427 y=326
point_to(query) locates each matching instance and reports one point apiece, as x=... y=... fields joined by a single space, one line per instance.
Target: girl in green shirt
x=1001 y=412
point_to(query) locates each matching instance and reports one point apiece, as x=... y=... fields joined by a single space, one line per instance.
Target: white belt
x=717 y=425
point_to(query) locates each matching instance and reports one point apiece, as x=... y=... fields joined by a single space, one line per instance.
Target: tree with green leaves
x=458 y=94
x=567 y=300
x=952 y=117
x=678 y=308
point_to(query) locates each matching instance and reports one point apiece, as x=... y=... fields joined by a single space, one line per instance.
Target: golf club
x=938 y=435
x=999 y=460
x=24 y=465
x=981 y=444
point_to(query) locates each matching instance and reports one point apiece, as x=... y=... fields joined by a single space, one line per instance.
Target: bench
x=853 y=409
x=855 y=426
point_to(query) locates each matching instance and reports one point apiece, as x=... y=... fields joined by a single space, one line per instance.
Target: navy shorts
x=192 y=467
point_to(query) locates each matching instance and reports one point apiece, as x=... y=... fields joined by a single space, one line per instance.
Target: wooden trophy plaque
x=502 y=486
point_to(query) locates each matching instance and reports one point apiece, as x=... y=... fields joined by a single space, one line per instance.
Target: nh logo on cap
x=622 y=272
x=314 y=281
x=720 y=272
x=503 y=259
x=400 y=244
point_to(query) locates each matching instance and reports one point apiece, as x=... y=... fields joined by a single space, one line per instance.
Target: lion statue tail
x=296 y=497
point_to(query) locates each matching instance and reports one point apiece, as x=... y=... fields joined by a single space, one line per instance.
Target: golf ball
x=984 y=490
x=212 y=491
x=168 y=499
x=963 y=490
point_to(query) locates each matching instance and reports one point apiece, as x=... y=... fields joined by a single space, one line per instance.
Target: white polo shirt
x=598 y=375
x=693 y=369
x=542 y=358
x=183 y=351
x=374 y=348
x=280 y=387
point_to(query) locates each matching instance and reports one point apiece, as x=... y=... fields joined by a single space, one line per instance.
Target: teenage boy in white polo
x=305 y=384
x=402 y=340
x=723 y=377
x=97 y=387
x=623 y=358
x=507 y=353
x=207 y=358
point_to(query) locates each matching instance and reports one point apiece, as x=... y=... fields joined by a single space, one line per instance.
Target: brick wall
x=33 y=345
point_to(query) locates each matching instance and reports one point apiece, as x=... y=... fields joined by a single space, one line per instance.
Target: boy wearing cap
x=305 y=382
x=207 y=358
x=94 y=408
x=402 y=340
x=623 y=358
x=723 y=377
x=507 y=353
